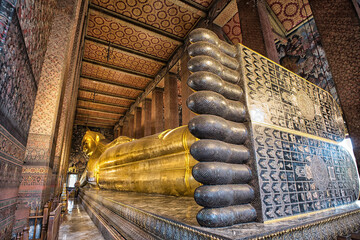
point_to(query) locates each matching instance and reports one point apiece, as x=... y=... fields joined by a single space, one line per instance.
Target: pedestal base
x=128 y=215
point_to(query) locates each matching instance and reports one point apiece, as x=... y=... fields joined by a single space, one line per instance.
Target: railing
x=49 y=221
x=24 y=235
x=54 y=223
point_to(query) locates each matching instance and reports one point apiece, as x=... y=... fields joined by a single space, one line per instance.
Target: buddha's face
x=89 y=145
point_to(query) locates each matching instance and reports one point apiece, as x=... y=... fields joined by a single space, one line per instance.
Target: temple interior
x=179 y=119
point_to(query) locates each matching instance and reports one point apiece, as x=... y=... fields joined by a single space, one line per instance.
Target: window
x=72 y=180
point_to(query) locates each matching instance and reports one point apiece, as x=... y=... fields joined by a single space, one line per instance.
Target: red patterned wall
x=232 y=29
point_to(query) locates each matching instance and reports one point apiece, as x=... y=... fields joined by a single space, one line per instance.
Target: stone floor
x=77 y=224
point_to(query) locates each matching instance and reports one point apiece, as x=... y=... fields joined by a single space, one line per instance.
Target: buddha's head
x=91 y=141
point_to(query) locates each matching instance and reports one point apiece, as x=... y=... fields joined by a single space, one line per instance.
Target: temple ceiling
x=127 y=43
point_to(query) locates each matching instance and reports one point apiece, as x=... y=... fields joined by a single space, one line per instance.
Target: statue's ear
x=97 y=138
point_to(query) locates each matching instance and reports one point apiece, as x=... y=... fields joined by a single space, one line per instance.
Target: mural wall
x=35 y=33
x=17 y=96
x=22 y=48
x=77 y=157
x=301 y=52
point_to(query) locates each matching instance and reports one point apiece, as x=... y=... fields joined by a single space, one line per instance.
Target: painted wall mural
x=35 y=19
x=77 y=157
x=301 y=52
x=17 y=85
x=17 y=97
x=6 y=13
x=24 y=31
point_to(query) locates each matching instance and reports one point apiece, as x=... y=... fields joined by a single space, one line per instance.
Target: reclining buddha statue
x=159 y=163
x=265 y=143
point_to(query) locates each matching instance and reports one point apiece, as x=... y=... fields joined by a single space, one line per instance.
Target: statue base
x=132 y=215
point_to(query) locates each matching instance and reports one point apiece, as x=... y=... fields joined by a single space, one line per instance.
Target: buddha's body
x=154 y=164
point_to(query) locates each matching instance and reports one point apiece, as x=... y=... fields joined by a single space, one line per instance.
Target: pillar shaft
x=185 y=90
x=71 y=85
x=267 y=32
x=250 y=25
x=125 y=131
x=146 y=117
x=137 y=121
x=131 y=132
x=171 y=101
x=339 y=28
x=119 y=132
x=157 y=111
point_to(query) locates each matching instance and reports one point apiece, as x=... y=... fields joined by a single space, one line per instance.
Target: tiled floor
x=77 y=224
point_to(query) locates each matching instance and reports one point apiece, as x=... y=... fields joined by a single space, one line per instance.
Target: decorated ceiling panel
x=108 y=88
x=97 y=106
x=101 y=72
x=93 y=113
x=128 y=35
x=164 y=14
x=102 y=53
x=290 y=12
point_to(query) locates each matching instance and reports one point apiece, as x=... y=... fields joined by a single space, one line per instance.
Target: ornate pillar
x=171 y=101
x=185 y=90
x=339 y=28
x=137 y=122
x=37 y=172
x=146 y=117
x=157 y=111
x=71 y=85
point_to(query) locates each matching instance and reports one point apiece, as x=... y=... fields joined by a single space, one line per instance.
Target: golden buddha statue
x=159 y=163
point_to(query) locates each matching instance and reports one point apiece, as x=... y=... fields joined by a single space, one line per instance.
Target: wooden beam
x=191 y=6
x=111 y=83
x=93 y=124
x=106 y=104
x=95 y=121
x=135 y=22
x=96 y=110
x=106 y=93
x=216 y=8
x=125 y=49
x=94 y=117
x=104 y=122
x=117 y=68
